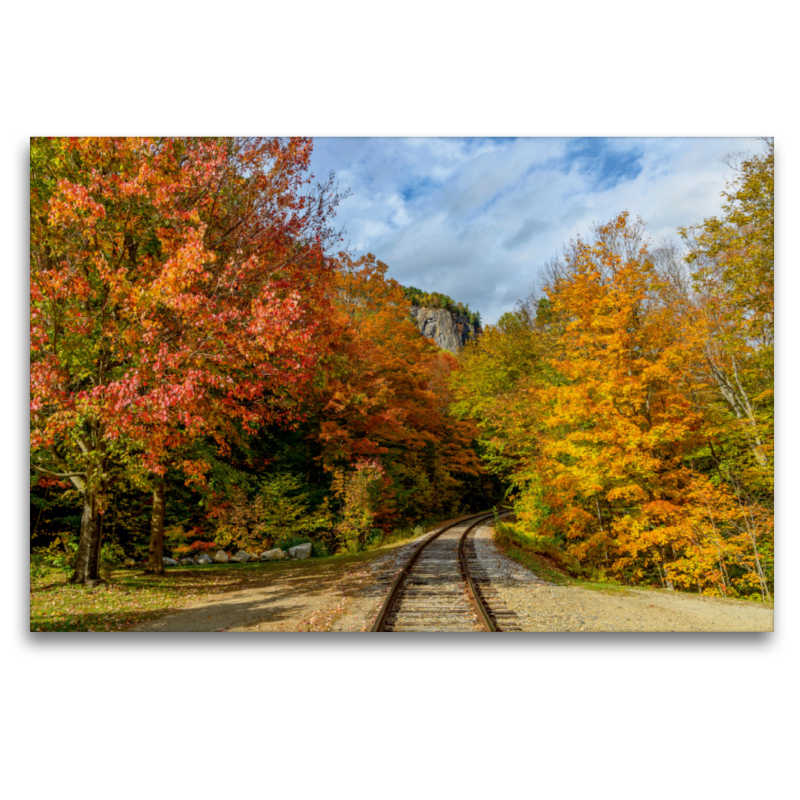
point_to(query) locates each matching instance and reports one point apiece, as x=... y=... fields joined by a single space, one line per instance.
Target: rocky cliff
x=450 y=331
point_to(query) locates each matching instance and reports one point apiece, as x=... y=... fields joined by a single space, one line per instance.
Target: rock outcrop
x=450 y=331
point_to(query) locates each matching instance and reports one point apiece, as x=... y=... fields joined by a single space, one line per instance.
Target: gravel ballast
x=542 y=606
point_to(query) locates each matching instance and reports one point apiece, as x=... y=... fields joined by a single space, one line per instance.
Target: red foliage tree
x=175 y=285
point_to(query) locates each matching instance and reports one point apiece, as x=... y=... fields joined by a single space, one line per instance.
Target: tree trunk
x=155 y=559
x=87 y=563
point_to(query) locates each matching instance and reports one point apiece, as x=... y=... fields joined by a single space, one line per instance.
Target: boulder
x=221 y=557
x=169 y=562
x=252 y=557
x=186 y=561
x=273 y=555
x=205 y=558
x=300 y=551
x=242 y=557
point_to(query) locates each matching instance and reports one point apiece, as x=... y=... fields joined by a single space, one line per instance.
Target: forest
x=206 y=374
x=629 y=402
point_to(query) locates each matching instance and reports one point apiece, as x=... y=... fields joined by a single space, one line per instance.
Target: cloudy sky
x=476 y=218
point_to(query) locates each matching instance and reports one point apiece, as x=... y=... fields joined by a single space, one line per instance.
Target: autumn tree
x=586 y=398
x=174 y=285
x=730 y=312
x=380 y=394
x=507 y=361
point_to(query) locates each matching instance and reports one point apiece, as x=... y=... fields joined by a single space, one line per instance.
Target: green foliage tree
x=730 y=313
x=417 y=297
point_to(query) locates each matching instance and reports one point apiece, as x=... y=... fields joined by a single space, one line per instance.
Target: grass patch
x=400 y=535
x=543 y=557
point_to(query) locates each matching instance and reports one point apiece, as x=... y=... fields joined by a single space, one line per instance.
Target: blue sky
x=476 y=218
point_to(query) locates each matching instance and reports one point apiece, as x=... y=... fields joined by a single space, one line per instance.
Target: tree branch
x=59 y=474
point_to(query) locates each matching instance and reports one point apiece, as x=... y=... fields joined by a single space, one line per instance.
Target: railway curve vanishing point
x=441 y=587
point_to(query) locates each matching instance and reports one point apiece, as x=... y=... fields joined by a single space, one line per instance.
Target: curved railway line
x=443 y=587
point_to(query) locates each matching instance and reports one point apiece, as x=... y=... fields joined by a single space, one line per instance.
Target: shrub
x=112 y=557
x=359 y=492
x=195 y=549
x=278 y=512
x=59 y=555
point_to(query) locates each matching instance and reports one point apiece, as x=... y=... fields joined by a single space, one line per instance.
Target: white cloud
x=476 y=218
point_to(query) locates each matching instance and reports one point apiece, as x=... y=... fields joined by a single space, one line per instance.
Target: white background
x=323 y=716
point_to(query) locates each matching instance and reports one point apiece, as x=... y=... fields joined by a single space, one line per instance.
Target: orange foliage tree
x=382 y=394
x=589 y=404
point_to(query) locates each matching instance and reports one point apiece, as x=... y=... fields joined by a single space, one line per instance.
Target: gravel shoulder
x=542 y=606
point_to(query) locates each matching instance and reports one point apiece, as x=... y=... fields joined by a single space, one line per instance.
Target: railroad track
x=442 y=587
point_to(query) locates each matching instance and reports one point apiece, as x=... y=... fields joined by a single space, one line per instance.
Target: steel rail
x=478 y=601
x=401 y=576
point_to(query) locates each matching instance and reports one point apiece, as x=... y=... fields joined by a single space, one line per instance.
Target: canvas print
x=453 y=385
